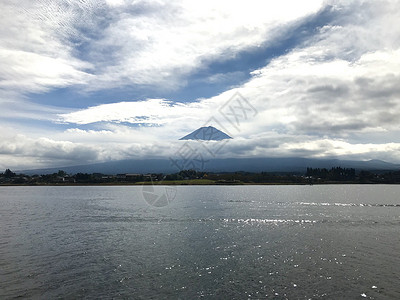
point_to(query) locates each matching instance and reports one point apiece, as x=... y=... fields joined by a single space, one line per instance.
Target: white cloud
x=31 y=72
x=152 y=112
x=102 y=44
x=335 y=86
x=160 y=42
x=20 y=151
x=331 y=96
x=35 y=53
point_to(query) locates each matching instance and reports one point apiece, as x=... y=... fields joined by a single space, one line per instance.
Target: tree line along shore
x=193 y=177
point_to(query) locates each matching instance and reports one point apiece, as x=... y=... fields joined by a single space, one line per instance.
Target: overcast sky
x=88 y=81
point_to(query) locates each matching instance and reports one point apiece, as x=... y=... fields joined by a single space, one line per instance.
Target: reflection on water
x=295 y=242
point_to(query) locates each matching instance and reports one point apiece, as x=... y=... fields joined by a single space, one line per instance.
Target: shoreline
x=195 y=184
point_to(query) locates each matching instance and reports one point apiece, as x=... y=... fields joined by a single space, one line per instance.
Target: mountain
x=206 y=134
x=288 y=164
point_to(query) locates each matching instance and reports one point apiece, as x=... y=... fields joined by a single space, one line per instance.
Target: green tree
x=9 y=174
x=61 y=173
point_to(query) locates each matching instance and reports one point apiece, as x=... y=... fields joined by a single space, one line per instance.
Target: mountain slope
x=288 y=164
x=206 y=134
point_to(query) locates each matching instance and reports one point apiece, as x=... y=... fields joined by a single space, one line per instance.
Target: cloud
x=311 y=92
x=116 y=43
x=20 y=151
x=151 y=112
x=334 y=94
x=158 y=43
x=36 y=53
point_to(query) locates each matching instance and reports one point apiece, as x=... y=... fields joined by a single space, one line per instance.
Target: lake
x=211 y=242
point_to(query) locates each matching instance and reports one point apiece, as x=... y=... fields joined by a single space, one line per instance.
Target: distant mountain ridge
x=208 y=133
x=288 y=164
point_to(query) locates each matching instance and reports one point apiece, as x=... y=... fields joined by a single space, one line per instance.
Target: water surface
x=213 y=242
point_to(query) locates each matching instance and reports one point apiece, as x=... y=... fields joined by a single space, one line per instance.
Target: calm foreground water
x=212 y=242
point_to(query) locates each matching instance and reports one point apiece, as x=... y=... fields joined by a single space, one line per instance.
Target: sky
x=86 y=81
